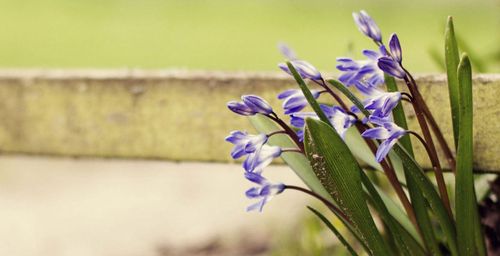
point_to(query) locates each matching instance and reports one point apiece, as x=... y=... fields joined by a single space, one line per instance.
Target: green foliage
x=466 y=207
x=340 y=174
x=334 y=230
x=297 y=162
x=418 y=201
x=452 y=59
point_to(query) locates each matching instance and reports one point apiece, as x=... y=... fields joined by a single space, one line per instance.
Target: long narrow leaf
x=298 y=163
x=405 y=243
x=349 y=95
x=340 y=174
x=396 y=163
x=430 y=193
x=418 y=201
x=466 y=206
x=334 y=230
x=452 y=60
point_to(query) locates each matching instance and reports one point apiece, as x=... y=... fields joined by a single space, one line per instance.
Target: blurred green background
x=230 y=35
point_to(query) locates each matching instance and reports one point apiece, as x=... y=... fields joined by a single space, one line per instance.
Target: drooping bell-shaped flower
x=381 y=103
x=367 y=26
x=265 y=191
x=257 y=104
x=240 y=108
x=304 y=68
x=389 y=132
x=261 y=157
x=391 y=67
x=245 y=143
x=250 y=105
x=340 y=120
x=362 y=73
x=294 y=100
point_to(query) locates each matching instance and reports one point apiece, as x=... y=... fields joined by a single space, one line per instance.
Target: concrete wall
x=178 y=115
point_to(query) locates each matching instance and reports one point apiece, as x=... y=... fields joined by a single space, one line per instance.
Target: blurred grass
x=228 y=35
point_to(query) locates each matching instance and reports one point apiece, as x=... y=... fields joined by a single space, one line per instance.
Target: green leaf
x=349 y=95
x=334 y=230
x=359 y=148
x=396 y=211
x=340 y=174
x=298 y=162
x=421 y=209
x=452 y=59
x=429 y=192
x=465 y=203
x=418 y=201
x=404 y=241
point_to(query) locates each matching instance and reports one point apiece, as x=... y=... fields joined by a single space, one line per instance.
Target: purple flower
x=298 y=121
x=250 y=105
x=264 y=192
x=304 y=68
x=367 y=26
x=240 y=108
x=395 y=48
x=244 y=143
x=257 y=104
x=294 y=100
x=390 y=133
x=287 y=51
x=261 y=157
x=340 y=120
x=391 y=67
x=362 y=73
x=381 y=103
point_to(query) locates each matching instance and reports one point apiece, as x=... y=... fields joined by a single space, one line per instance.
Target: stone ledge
x=177 y=115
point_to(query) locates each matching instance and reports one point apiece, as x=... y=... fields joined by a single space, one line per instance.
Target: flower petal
x=395 y=48
x=391 y=67
x=257 y=104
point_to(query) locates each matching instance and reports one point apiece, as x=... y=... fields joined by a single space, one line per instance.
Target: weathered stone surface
x=178 y=115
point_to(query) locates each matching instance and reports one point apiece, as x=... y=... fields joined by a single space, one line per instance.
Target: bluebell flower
x=391 y=67
x=390 y=133
x=287 y=51
x=297 y=120
x=340 y=120
x=250 y=105
x=395 y=48
x=362 y=73
x=264 y=192
x=367 y=26
x=240 y=108
x=261 y=157
x=294 y=100
x=381 y=103
x=245 y=143
x=304 y=68
x=257 y=104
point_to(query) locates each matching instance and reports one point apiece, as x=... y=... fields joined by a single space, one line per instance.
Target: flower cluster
x=328 y=166
x=367 y=76
x=258 y=153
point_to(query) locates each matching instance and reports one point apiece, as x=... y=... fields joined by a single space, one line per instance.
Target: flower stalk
x=436 y=166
